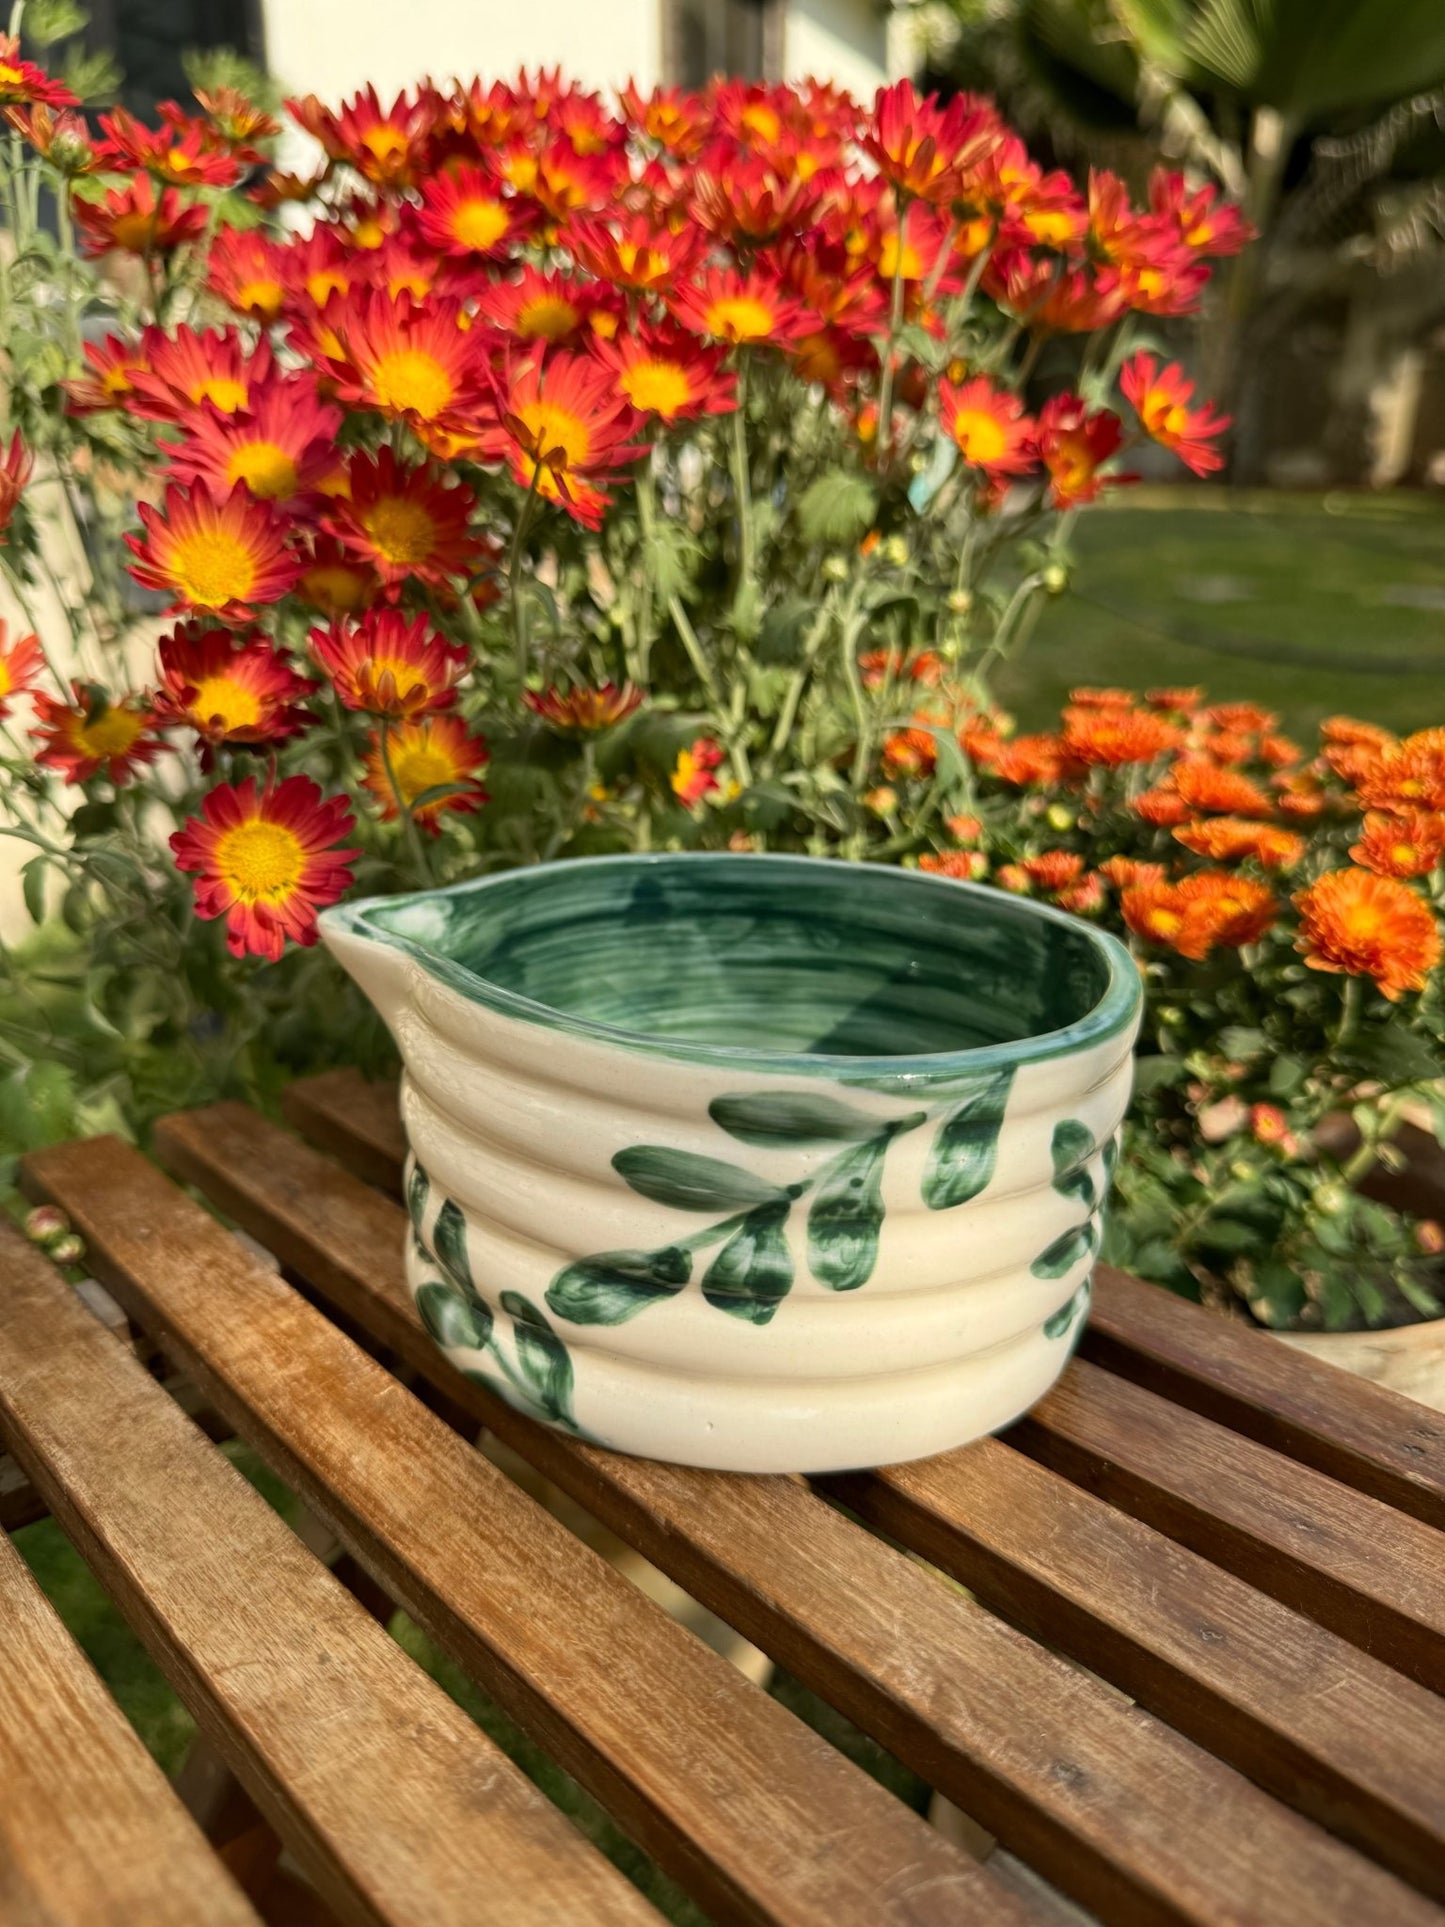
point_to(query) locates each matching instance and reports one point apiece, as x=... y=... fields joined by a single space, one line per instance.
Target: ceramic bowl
x=763 y=1163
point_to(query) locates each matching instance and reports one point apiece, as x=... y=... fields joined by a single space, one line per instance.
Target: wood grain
x=1103 y=1800
x=395 y=1804
x=90 y=1833
x=728 y=1790
x=1301 y=1711
x=1359 y=1433
x=1352 y=1563
x=355 y=1118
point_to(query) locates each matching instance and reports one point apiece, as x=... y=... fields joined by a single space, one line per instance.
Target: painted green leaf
x=1065 y=1251
x=418 y=1185
x=1063 y=1318
x=773 y=1118
x=1111 y=1160
x=449 y=1240
x=616 y=1285
x=542 y=1356
x=1071 y=1148
x=846 y=1215
x=449 y=1317
x=689 y=1182
x=752 y=1273
x=961 y=1159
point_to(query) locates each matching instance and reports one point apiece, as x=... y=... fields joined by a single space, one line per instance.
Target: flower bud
x=835 y=568
x=895 y=550
x=1055 y=579
x=1430 y=1237
x=1060 y=817
x=1171 y=1016
x=960 y=601
x=45 y=1224
x=1268 y=1124
x=1013 y=876
x=68 y=1250
x=882 y=801
x=1330 y=1199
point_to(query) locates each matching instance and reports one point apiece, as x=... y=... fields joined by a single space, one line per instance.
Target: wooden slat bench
x=1195 y=1675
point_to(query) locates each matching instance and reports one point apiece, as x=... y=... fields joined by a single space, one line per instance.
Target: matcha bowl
x=763 y=1163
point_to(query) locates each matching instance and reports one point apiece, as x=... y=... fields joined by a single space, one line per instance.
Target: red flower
x=112 y=365
x=63 y=138
x=1161 y=402
x=266 y=861
x=989 y=425
x=416 y=365
x=1074 y=442
x=538 y=307
x=132 y=219
x=426 y=753
x=21 y=663
x=178 y=373
x=580 y=711
x=405 y=522
x=563 y=427
x=229 y=689
x=750 y=309
x=283 y=446
x=222 y=556
x=668 y=374
x=1355 y=922
x=466 y=214
x=385 y=146
x=388 y=666
x=693 y=775
x=186 y=153
x=922 y=147
x=15 y=472
x=641 y=257
x=93 y=734
x=335 y=581
x=1205 y=223
x=249 y=273
x=22 y=80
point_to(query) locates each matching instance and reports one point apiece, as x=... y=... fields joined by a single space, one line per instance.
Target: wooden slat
x=1296 y=1708
x=90 y=1833
x=1359 y=1433
x=726 y=1788
x=397 y=1806
x=1098 y=1796
x=355 y=1119
x=1374 y=1575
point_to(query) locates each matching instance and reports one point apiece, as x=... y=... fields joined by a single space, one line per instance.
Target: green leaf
x=961 y=1159
x=542 y=1356
x=1065 y=1252
x=1071 y=1148
x=689 y=1182
x=616 y=1285
x=1157 y=1073
x=846 y=1216
x=774 y=1118
x=32 y=885
x=1063 y=1319
x=838 y=507
x=449 y=1241
x=752 y=1273
x=451 y=1319
x=1242 y=1040
x=418 y=1185
x=439 y=793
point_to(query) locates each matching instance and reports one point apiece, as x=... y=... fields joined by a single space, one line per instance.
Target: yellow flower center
x=265 y=468
x=560 y=435
x=409 y=381
x=262 y=298
x=213 y=567
x=1166 y=421
x=549 y=318
x=333 y=587
x=980 y=436
x=263 y=862
x=1405 y=854
x=224 y=704
x=10 y=76
x=761 y=120
x=324 y=283
x=912 y=269
x=228 y=395
x=178 y=161
x=401 y=530
x=479 y=224
x=1050 y=227
x=368 y=233
x=657 y=388
x=133 y=231
x=419 y=766
x=111 y=734
x=384 y=142
x=739 y=317
x=1151 y=282
x=117 y=381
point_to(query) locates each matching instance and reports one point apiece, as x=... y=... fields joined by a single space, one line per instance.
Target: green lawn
x=1311 y=605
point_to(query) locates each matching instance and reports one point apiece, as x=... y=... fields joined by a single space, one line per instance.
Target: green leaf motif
x=418 y=1187
x=451 y=1319
x=689 y=1182
x=449 y=1240
x=961 y=1160
x=1065 y=1252
x=846 y=1216
x=1071 y=1148
x=773 y=1119
x=542 y=1356
x=753 y=1272
x=616 y=1285
x=1063 y=1319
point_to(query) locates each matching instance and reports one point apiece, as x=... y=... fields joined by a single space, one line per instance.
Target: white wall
x=840 y=40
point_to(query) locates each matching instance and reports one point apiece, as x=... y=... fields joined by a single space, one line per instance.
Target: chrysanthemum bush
x=546 y=476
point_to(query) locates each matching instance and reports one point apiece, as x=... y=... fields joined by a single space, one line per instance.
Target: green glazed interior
x=796 y=961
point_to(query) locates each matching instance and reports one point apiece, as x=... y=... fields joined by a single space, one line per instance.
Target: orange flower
x=134 y=221
x=1229 y=839
x=388 y=666
x=248 y=273
x=220 y=556
x=1083 y=898
x=1205 y=910
x=425 y=753
x=1349 y=730
x=912 y=751
x=964 y=829
x=1161 y=401
x=562 y=427
x=1183 y=700
x=673 y=119
x=580 y=711
x=1301 y=796
x=1406 y=775
x=229 y=689
x=1204 y=786
x=966 y=865
x=989 y=425
x=1204 y=223
x=1028 y=760
x=112 y=364
x=63 y=138
x=405 y=522
x=1115 y=737
x=1404 y=843
x=1052 y=869
x=693 y=775
x=741 y=309
x=1364 y=925
x=415 y=365
x=335 y=581
x=668 y=374
x=283 y=445
x=94 y=735
x=1013 y=878
x=1246 y=716
x=923 y=147
x=178 y=374
x=21 y=663
x=1074 y=442
x=466 y=214
x=642 y=257
x=266 y=861
x=1089 y=697
x=1122 y=871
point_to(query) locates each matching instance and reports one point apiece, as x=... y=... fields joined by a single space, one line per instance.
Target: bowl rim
x=1114 y=1013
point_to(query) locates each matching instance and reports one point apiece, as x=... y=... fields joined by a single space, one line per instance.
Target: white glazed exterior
x=517 y=1123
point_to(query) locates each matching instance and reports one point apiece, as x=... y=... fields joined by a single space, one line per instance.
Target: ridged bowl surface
x=751 y=1162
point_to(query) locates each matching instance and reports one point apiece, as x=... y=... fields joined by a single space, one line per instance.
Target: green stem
x=514 y=563
x=409 y=828
x=742 y=481
x=646 y=523
x=1351 y=1004
x=736 y=747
